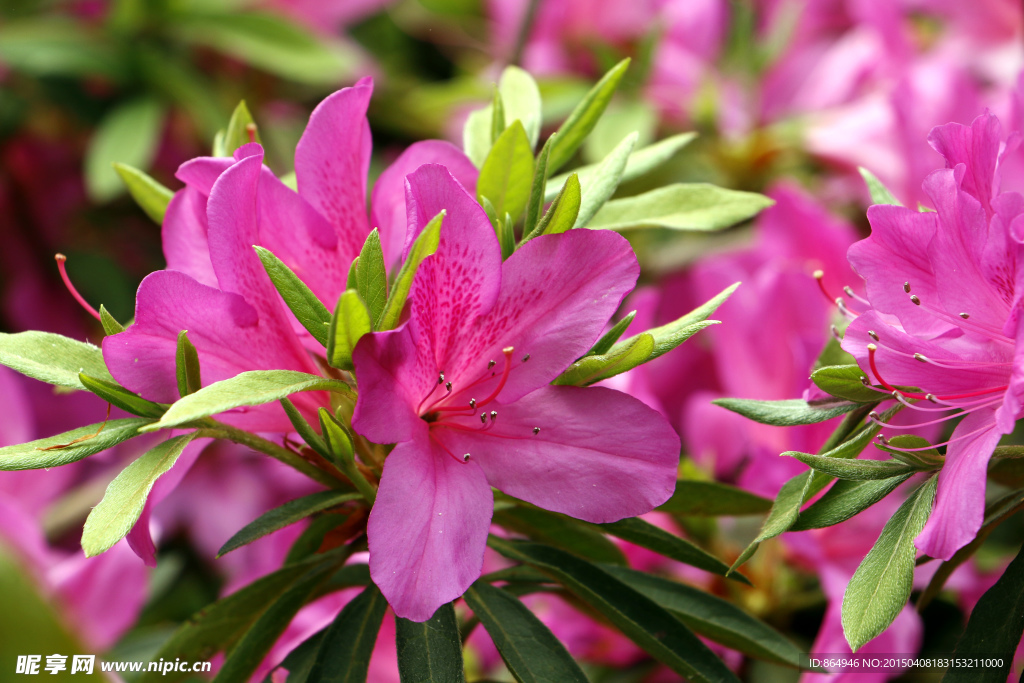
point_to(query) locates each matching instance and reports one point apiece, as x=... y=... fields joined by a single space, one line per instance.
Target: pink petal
x=184 y=232
x=389 y=209
x=977 y=147
x=140 y=540
x=332 y=161
x=428 y=528
x=960 y=497
x=202 y=172
x=600 y=455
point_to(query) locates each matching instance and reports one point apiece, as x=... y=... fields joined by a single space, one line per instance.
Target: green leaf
x=52 y=358
x=285 y=515
x=646 y=535
x=344 y=653
x=476 y=135
x=271 y=42
x=540 y=180
x=694 y=206
x=602 y=185
x=845 y=499
x=584 y=117
x=913 y=451
x=562 y=531
x=1007 y=471
x=619 y=120
x=129 y=134
x=57 y=46
x=498 y=121
x=590 y=369
x=339 y=444
x=882 y=583
x=532 y=653
x=430 y=651
x=671 y=335
x=643 y=620
x=713 y=617
x=608 y=339
x=712 y=499
x=521 y=99
x=151 y=196
x=350 y=322
x=506 y=237
x=251 y=388
x=69 y=447
x=186 y=366
x=425 y=245
x=299 y=662
x=845 y=381
x=303 y=303
x=115 y=515
x=857 y=470
x=640 y=162
x=109 y=322
x=305 y=430
x=372 y=277
x=121 y=397
x=562 y=213
x=879 y=193
x=785 y=413
x=237 y=133
x=507 y=172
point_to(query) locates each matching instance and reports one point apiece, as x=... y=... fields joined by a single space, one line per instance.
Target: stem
x=524 y=33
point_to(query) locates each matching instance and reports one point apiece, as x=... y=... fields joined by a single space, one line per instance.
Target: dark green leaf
x=562 y=213
x=913 y=451
x=882 y=583
x=507 y=172
x=590 y=369
x=646 y=535
x=879 y=193
x=299 y=661
x=351 y=320
x=339 y=445
x=286 y=515
x=844 y=381
x=695 y=206
x=344 y=653
x=531 y=652
x=128 y=134
x=186 y=366
x=608 y=339
x=303 y=303
x=430 y=651
x=425 y=245
x=602 y=184
x=121 y=397
x=712 y=617
x=845 y=499
x=537 y=189
x=305 y=430
x=115 y=515
x=69 y=447
x=785 y=413
x=858 y=470
x=712 y=499
x=372 y=277
x=643 y=620
x=584 y=117
x=562 y=531
x=151 y=196
x=52 y=358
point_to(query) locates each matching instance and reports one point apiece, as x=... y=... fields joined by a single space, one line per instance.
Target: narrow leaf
x=609 y=338
x=372 y=278
x=602 y=185
x=304 y=429
x=844 y=500
x=540 y=181
x=186 y=366
x=584 y=117
x=121 y=397
x=151 y=196
x=128 y=134
x=712 y=499
x=430 y=651
x=562 y=213
x=844 y=381
x=646 y=535
x=237 y=133
x=696 y=206
x=285 y=515
x=590 y=369
x=785 y=413
x=857 y=470
x=351 y=320
x=344 y=653
x=498 y=120
x=879 y=193
x=109 y=322
x=115 y=515
x=303 y=303
x=339 y=445
x=671 y=335
x=507 y=172
x=52 y=358
x=69 y=447
x=560 y=530
x=425 y=245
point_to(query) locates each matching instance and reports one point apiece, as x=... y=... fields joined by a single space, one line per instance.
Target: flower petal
x=600 y=455
x=184 y=233
x=202 y=172
x=977 y=147
x=960 y=498
x=428 y=528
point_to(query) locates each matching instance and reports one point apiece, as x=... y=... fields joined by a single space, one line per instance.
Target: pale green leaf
x=507 y=173
x=129 y=134
x=694 y=206
x=590 y=369
x=350 y=322
x=425 y=245
x=584 y=117
x=562 y=213
x=52 y=358
x=602 y=184
x=151 y=196
x=879 y=193
x=69 y=447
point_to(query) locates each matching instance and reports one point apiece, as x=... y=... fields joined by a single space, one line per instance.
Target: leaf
x=52 y=358
x=425 y=245
x=913 y=451
x=879 y=193
x=640 y=162
x=693 y=206
x=713 y=617
x=562 y=213
x=602 y=185
x=121 y=397
x=350 y=322
x=609 y=338
x=109 y=322
x=430 y=651
x=540 y=180
x=151 y=196
x=643 y=620
x=590 y=369
x=785 y=413
x=506 y=237
x=532 y=653
x=845 y=499
x=506 y=175
x=858 y=470
x=476 y=135
x=712 y=499
x=562 y=531
x=42 y=454
x=269 y=42
x=339 y=445
x=498 y=121
x=285 y=515
x=845 y=381
x=129 y=134
x=57 y=46
x=521 y=100
x=372 y=277
x=186 y=366
x=671 y=335
x=304 y=429
x=115 y=515
x=237 y=133
x=299 y=662
x=646 y=535
x=251 y=388
x=584 y=117
x=344 y=653
x=882 y=583
x=303 y=303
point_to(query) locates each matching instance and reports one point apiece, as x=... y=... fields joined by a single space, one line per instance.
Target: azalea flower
x=942 y=314
x=463 y=389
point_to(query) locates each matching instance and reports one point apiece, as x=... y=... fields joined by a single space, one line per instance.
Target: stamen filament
x=60 y=259
x=910 y=394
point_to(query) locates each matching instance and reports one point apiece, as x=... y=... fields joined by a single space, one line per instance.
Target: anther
x=921 y=357
x=526 y=358
x=483 y=417
x=491 y=364
x=494 y=415
x=882 y=439
x=873 y=335
x=874 y=415
x=835 y=333
x=849 y=291
x=536 y=431
x=931 y=397
x=965 y=316
x=872 y=347
x=818 y=274
x=440 y=378
x=472 y=403
x=448 y=386
x=864 y=381
x=465 y=458
x=60 y=259
x=906 y=287
x=914 y=300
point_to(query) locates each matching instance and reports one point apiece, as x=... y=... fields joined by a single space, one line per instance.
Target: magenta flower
x=463 y=390
x=943 y=315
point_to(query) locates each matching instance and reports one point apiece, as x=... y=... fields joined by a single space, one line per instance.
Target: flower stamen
x=60 y=259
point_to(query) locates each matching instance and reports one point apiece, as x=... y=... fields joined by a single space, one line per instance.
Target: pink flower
x=463 y=390
x=942 y=314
